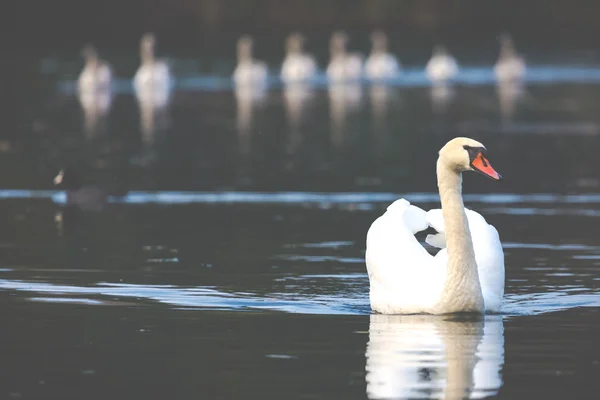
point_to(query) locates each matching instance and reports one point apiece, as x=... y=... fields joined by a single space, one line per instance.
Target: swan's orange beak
x=481 y=164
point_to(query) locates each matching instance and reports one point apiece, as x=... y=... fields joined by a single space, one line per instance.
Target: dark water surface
x=227 y=259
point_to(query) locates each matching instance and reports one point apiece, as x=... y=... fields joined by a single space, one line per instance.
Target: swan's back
x=404 y=277
x=155 y=76
x=95 y=78
x=510 y=69
x=382 y=66
x=250 y=72
x=298 y=67
x=441 y=68
x=345 y=67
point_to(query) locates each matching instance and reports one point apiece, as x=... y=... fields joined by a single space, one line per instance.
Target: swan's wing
x=488 y=253
x=403 y=275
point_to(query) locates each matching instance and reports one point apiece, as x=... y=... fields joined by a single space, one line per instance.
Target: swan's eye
x=467 y=148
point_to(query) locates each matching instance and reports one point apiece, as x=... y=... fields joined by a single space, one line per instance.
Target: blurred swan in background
x=510 y=66
x=96 y=74
x=442 y=67
x=152 y=81
x=343 y=66
x=248 y=72
x=94 y=90
x=297 y=65
x=380 y=64
x=433 y=357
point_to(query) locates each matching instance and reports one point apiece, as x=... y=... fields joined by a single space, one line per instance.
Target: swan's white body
x=344 y=66
x=441 y=67
x=510 y=66
x=152 y=81
x=298 y=68
x=467 y=274
x=511 y=69
x=347 y=67
x=249 y=72
x=406 y=279
x=154 y=76
x=95 y=78
x=382 y=66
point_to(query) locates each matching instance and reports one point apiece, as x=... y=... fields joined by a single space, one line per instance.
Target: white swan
x=343 y=66
x=153 y=77
x=96 y=74
x=442 y=66
x=297 y=65
x=380 y=64
x=248 y=72
x=510 y=66
x=466 y=275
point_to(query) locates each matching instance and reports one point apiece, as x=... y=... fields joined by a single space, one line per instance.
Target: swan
x=467 y=274
x=248 y=72
x=154 y=75
x=96 y=74
x=343 y=66
x=297 y=65
x=442 y=66
x=510 y=66
x=380 y=64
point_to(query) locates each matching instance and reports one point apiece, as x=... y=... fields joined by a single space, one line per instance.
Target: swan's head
x=464 y=154
x=244 y=47
x=440 y=50
x=295 y=42
x=147 y=44
x=148 y=41
x=89 y=54
x=337 y=43
x=507 y=46
x=379 y=40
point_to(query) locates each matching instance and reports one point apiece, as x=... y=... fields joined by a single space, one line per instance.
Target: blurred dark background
x=48 y=27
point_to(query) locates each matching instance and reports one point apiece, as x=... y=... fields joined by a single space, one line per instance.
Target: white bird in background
x=96 y=74
x=248 y=72
x=297 y=65
x=466 y=275
x=380 y=64
x=94 y=90
x=442 y=67
x=343 y=66
x=152 y=80
x=510 y=66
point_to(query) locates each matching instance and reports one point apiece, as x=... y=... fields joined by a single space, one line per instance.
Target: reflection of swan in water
x=421 y=356
x=296 y=96
x=95 y=106
x=344 y=98
x=509 y=92
x=248 y=98
x=441 y=95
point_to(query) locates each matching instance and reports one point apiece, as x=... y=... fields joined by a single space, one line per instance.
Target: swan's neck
x=462 y=290
x=147 y=55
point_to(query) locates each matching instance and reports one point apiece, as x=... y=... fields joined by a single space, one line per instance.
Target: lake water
x=227 y=261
